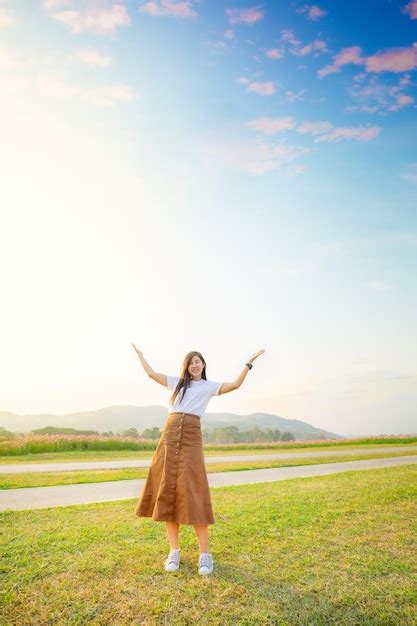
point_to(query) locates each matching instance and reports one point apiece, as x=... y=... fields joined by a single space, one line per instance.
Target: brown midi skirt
x=176 y=488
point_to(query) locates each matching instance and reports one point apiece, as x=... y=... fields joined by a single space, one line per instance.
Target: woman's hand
x=138 y=352
x=255 y=356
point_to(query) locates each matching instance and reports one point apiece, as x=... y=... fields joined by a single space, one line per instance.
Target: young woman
x=176 y=489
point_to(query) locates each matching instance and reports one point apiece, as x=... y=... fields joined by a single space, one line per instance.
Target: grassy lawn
x=46 y=479
x=326 y=550
x=113 y=455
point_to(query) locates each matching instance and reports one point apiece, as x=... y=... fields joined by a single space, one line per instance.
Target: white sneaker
x=205 y=563
x=172 y=562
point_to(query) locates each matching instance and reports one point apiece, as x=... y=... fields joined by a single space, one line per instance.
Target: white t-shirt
x=197 y=396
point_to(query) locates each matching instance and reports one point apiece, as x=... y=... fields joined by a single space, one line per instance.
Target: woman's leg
x=202 y=535
x=172 y=531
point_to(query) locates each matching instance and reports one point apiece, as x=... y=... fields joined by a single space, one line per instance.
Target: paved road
x=93 y=465
x=42 y=497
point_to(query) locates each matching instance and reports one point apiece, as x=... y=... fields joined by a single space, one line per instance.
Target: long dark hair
x=184 y=381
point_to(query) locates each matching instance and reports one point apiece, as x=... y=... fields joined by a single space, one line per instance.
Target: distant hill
x=118 y=418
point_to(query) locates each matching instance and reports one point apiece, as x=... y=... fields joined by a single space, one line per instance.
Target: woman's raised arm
x=227 y=387
x=159 y=378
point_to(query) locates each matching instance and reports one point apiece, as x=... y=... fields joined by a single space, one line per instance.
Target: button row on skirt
x=179 y=430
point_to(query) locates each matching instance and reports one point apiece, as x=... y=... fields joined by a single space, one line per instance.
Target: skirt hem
x=179 y=521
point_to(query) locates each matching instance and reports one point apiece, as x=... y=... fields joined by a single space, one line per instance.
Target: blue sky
x=212 y=176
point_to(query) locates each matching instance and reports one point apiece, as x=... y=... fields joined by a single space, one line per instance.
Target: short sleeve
x=172 y=382
x=215 y=387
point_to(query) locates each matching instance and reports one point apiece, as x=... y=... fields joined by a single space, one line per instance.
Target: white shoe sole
x=171 y=568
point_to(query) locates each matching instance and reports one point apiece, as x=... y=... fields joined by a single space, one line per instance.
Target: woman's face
x=196 y=367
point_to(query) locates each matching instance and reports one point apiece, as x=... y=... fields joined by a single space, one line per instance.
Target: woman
x=176 y=489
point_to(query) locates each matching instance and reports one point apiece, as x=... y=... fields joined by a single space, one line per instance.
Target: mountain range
x=119 y=418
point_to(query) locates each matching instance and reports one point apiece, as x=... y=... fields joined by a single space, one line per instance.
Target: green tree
x=268 y=434
x=227 y=434
x=131 y=432
x=256 y=434
x=276 y=434
x=6 y=434
x=151 y=433
x=60 y=430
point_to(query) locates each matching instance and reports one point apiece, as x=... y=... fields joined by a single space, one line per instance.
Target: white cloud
x=318 y=46
x=168 y=8
x=271 y=125
x=374 y=95
x=291 y=96
x=267 y=88
x=345 y=132
x=312 y=11
x=41 y=77
x=79 y=16
x=244 y=16
x=411 y=9
x=274 y=53
x=314 y=128
x=253 y=155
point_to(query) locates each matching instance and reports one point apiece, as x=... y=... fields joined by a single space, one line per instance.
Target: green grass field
x=111 y=455
x=46 y=479
x=329 y=550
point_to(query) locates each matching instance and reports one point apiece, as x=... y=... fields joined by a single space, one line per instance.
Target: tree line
x=226 y=434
